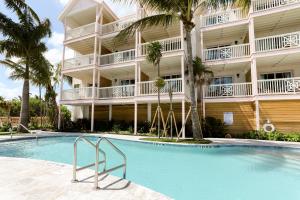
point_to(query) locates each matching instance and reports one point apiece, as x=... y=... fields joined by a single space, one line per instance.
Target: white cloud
x=63 y=2
x=56 y=39
x=9 y=92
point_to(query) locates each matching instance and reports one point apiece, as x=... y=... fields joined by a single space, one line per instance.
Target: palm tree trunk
x=24 y=114
x=196 y=126
x=159 y=109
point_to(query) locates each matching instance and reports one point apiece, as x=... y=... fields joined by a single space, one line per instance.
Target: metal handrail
x=97 y=162
x=75 y=169
x=29 y=131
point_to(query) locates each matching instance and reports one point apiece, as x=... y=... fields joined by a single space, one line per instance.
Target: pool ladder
x=97 y=162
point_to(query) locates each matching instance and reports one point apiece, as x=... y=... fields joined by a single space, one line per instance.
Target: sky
x=46 y=9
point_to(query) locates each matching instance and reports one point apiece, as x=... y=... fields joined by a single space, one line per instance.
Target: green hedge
x=276 y=136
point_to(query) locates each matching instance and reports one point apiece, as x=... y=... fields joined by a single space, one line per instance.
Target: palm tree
x=23 y=39
x=183 y=10
x=202 y=76
x=154 y=55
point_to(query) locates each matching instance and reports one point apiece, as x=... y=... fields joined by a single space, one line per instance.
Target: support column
x=135 y=117
x=110 y=112
x=92 y=117
x=201 y=45
x=149 y=117
x=257 y=116
x=183 y=74
x=183 y=118
x=203 y=109
x=61 y=88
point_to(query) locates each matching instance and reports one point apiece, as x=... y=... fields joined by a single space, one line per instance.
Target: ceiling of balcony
x=125 y=72
x=279 y=60
x=226 y=35
x=85 y=46
x=111 y=44
x=277 y=23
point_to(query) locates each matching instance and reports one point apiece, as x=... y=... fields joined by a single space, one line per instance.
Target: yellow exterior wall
x=243 y=115
x=285 y=115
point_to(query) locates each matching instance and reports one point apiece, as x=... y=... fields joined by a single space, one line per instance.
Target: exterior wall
x=284 y=115
x=243 y=115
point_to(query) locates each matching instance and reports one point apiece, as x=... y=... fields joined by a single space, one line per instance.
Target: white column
x=201 y=46
x=203 y=109
x=257 y=116
x=136 y=77
x=149 y=117
x=183 y=118
x=110 y=112
x=135 y=117
x=182 y=74
x=61 y=88
x=92 y=117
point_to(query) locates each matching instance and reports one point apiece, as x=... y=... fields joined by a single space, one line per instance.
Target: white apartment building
x=254 y=55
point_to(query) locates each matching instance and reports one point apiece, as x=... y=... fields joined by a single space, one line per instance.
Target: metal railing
x=149 y=87
x=279 y=86
x=97 y=162
x=168 y=45
x=118 y=57
x=262 y=5
x=26 y=129
x=222 y=53
x=77 y=93
x=276 y=42
x=223 y=17
x=118 y=25
x=80 y=31
x=80 y=61
x=115 y=92
x=228 y=90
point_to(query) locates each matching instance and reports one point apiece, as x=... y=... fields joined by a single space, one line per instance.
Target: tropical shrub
x=213 y=127
x=276 y=136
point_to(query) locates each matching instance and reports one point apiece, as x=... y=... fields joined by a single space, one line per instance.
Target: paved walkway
x=27 y=179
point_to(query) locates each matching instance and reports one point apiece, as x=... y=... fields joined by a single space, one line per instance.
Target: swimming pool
x=185 y=173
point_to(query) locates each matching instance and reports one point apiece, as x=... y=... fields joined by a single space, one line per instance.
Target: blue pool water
x=186 y=173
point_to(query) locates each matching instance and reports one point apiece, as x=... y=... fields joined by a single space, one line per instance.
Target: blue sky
x=46 y=9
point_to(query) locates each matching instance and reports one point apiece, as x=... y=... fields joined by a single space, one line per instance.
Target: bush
x=276 y=136
x=5 y=127
x=144 y=127
x=213 y=127
x=116 y=128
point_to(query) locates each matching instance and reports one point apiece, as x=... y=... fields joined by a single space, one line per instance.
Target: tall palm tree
x=183 y=10
x=153 y=56
x=203 y=75
x=23 y=39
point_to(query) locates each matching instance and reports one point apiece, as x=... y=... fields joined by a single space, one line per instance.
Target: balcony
x=168 y=45
x=277 y=42
x=263 y=5
x=229 y=52
x=118 y=25
x=113 y=92
x=80 y=62
x=80 y=31
x=118 y=57
x=228 y=90
x=149 y=88
x=223 y=17
x=77 y=94
x=279 y=86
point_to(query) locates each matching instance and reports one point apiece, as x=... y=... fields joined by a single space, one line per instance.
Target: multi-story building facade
x=254 y=55
x=111 y=78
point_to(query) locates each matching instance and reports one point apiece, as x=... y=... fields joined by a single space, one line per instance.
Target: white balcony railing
x=149 y=88
x=80 y=61
x=284 y=41
x=168 y=45
x=77 y=93
x=222 y=53
x=262 y=5
x=228 y=90
x=80 y=31
x=118 y=57
x=223 y=17
x=118 y=25
x=279 y=86
x=115 y=92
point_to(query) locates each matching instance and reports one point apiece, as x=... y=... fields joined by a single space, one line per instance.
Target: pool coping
x=216 y=142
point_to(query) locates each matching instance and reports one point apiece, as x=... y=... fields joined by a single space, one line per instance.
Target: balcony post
x=149 y=106
x=257 y=116
x=253 y=60
x=135 y=117
x=92 y=117
x=110 y=112
x=201 y=46
x=182 y=75
x=183 y=118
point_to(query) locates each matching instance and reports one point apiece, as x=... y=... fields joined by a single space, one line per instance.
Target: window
x=222 y=80
x=173 y=76
x=76 y=85
x=276 y=75
x=127 y=82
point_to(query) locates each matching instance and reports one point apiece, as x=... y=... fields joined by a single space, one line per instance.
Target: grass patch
x=184 y=141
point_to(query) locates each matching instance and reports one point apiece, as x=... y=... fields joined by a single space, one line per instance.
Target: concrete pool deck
x=27 y=179
x=215 y=141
